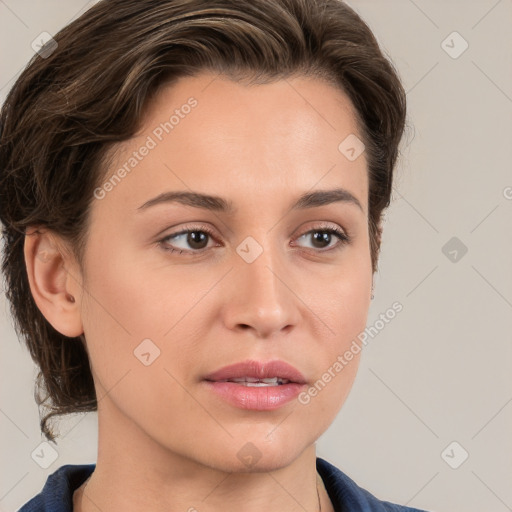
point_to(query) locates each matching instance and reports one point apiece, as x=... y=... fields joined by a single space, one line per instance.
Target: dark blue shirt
x=345 y=494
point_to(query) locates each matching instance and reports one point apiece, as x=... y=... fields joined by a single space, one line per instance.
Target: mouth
x=271 y=373
x=255 y=385
x=253 y=382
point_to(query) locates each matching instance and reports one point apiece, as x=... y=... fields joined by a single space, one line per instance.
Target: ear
x=55 y=281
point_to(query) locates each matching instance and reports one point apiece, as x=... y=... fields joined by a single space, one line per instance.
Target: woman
x=192 y=194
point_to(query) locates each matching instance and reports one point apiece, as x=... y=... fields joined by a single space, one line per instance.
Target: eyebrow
x=219 y=204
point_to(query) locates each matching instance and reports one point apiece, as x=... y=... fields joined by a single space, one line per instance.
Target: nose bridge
x=261 y=271
x=262 y=284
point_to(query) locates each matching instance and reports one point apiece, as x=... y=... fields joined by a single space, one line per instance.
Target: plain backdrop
x=429 y=418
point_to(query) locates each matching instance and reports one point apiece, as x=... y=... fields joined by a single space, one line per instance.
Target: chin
x=253 y=454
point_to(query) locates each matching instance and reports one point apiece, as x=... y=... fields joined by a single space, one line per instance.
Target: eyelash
x=343 y=238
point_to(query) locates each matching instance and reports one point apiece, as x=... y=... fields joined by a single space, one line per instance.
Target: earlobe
x=55 y=290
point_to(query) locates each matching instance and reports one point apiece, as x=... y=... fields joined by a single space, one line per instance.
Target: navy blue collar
x=344 y=493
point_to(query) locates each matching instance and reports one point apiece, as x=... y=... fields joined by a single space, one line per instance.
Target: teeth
x=255 y=382
x=244 y=379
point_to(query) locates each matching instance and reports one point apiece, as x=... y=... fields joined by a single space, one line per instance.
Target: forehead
x=213 y=135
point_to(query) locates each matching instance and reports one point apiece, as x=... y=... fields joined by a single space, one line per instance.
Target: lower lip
x=261 y=398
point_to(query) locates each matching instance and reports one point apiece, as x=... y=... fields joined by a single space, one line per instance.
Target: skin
x=164 y=441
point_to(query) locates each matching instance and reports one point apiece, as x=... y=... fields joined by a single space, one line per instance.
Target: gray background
x=440 y=371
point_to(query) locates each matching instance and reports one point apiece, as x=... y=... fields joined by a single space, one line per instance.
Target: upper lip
x=258 y=370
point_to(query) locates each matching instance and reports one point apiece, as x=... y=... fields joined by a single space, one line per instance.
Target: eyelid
x=325 y=225
x=344 y=237
x=192 y=227
x=184 y=230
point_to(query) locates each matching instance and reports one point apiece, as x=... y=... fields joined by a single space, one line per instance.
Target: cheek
x=341 y=301
x=132 y=309
x=338 y=353
x=343 y=308
x=129 y=297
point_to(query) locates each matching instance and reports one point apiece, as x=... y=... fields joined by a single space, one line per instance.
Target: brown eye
x=187 y=240
x=197 y=239
x=323 y=238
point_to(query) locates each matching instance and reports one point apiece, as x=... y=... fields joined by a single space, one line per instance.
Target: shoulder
x=57 y=493
x=346 y=495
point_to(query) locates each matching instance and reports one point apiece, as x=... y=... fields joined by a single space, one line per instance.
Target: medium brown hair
x=66 y=111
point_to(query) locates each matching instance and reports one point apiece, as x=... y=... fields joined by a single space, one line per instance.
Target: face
x=177 y=290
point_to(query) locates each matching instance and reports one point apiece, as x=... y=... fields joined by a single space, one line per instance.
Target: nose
x=262 y=297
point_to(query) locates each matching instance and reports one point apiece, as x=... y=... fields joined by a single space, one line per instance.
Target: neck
x=133 y=472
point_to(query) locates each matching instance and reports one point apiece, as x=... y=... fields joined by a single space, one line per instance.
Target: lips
x=257 y=386
x=251 y=372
